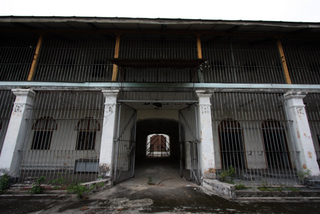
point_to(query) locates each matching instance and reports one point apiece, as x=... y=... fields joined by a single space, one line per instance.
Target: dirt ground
x=169 y=194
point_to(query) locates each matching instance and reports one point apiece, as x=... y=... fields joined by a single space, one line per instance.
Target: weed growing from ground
x=4 y=183
x=36 y=186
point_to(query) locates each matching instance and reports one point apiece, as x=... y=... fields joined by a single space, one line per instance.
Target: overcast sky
x=275 y=10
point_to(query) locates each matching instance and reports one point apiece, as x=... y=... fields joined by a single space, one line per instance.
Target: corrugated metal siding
x=242 y=60
x=16 y=54
x=157 y=47
x=75 y=57
x=303 y=59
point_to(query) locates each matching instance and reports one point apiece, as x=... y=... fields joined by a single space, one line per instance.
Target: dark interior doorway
x=152 y=126
x=163 y=167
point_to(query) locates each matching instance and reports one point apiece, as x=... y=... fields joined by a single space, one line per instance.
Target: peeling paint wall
x=62 y=153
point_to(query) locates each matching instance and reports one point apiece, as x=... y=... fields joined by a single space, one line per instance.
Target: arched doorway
x=231 y=144
x=275 y=145
x=158 y=145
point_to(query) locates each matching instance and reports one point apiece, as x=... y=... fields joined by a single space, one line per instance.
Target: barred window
x=43 y=130
x=275 y=144
x=231 y=144
x=87 y=129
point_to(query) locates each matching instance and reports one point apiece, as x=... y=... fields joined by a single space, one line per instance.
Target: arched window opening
x=231 y=144
x=275 y=144
x=87 y=129
x=43 y=129
x=158 y=145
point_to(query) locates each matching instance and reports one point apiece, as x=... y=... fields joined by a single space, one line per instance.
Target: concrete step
x=228 y=191
x=258 y=193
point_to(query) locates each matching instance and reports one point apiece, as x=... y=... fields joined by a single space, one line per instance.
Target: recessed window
x=43 y=130
x=87 y=129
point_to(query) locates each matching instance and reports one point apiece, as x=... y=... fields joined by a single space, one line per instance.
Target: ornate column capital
x=110 y=93
x=204 y=97
x=295 y=95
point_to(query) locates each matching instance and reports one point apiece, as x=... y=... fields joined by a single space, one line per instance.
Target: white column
x=108 y=130
x=9 y=159
x=206 y=152
x=301 y=134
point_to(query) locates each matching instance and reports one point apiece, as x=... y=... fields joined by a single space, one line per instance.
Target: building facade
x=84 y=96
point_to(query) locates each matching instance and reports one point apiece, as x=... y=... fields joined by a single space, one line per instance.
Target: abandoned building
x=87 y=97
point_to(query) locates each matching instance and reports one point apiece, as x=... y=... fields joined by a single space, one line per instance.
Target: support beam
x=284 y=62
x=116 y=55
x=108 y=129
x=35 y=58
x=97 y=86
x=199 y=47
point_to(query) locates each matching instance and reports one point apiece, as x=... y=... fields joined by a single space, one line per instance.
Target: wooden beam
x=284 y=62
x=35 y=58
x=199 y=47
x=116 y=55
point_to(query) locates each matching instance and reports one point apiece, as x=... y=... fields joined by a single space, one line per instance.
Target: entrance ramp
x=157 y=172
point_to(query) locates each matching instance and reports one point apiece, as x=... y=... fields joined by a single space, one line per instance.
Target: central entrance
x=156 y=134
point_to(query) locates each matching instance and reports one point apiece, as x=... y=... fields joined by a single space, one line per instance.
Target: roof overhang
x=157 y=24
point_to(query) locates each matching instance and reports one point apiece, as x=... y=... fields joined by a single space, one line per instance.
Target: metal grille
x=303 y=60
x=189 y=139
x=143 y=46
x=16 y=54
x=75 y=57
x=6 y=103
x=125 y=145
x=242 y=60
x=312 y=102
x=251 y=137
x=63 y=136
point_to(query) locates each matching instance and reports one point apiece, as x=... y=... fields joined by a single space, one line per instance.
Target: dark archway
x=152 y=126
